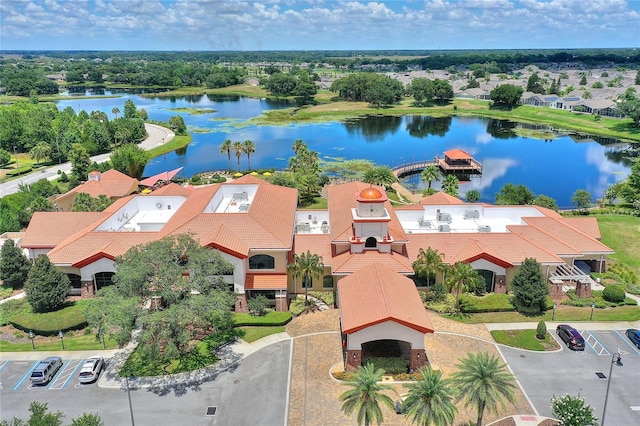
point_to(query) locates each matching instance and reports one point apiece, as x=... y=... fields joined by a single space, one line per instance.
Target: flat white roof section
x=232 y=199
x=143 y=213
x=312 y=222
x=467 y=218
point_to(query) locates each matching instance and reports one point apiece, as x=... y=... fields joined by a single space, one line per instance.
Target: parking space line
x=627 y=341
x=597 y=347
x=64 y=375
x=4 y=364
x=73 y=373
x=27 y=374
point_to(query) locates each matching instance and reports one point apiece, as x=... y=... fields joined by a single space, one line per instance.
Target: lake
x=554 y=167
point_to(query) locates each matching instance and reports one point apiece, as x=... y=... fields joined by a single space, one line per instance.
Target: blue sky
x=317 y=24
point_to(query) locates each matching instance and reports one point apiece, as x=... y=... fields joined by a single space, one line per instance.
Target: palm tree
x=40 y=150
x=249 y=148
x=428 y=263
x=115 y=111
x=226 y=147
x=481 y=380
x=450 y=185
x=366 y=395
x=429 y=174
x=379 y=175
x=430 y=400
x=239 y=149
x=308 y=266
x=462 y=277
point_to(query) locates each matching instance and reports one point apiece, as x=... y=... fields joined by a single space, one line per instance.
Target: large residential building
x=256 y=226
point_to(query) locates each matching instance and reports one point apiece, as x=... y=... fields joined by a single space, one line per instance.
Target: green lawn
x=79 y=342
x=525 y=339
x=622 y=234
x=251 y=334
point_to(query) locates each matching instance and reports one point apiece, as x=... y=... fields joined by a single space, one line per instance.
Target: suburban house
x=111 y=184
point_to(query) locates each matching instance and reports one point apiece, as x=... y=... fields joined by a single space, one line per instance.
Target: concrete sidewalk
x=588 y=325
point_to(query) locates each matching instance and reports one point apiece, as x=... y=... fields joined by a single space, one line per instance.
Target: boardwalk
x=471 y=167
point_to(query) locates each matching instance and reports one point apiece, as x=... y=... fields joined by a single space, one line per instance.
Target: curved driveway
x=156 y=135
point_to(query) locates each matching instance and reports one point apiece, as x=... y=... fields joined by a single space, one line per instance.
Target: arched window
x=261 y=261
x=103 y=279
x=371 y=243
x=327 y=281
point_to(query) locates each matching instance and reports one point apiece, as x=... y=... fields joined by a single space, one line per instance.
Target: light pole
x=553 y=316
x=33 y=346
x=15 y=153
x=61 y=338
x=617 y=360
x=133 y=423
x=593 y=305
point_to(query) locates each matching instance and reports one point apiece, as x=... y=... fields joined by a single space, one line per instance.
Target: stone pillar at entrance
x=241 y=303
x=354 y=360
x=583 y=289
x=281 y=303
x=86 y=289
x=418 y=359
x=500 y=284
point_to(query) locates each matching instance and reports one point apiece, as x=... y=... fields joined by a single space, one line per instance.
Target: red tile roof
x=266 y=282
x=588 y=225
x=112 y=183
x=440 y=198
x=48 y=229
x=348 y=263
x=375 y=294
x=457 y=154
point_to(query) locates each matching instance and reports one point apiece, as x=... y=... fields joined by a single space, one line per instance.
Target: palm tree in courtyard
x=366 y=395
x=429 y=174
x=307 y=266
x=481 y=380
x=249 y=147
x=238 y=149
x=226 y=148
x=462 y=277
x=430 y=400
x=450 y=185
x=428 y=263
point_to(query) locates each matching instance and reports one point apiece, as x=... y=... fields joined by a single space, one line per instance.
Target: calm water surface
x=556 y=168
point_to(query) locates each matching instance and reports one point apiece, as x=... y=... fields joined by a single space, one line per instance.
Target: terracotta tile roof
x=440 y=198
x=348 y=263
x=48 y=229
x=542 y=239
x=341 y=199
x=569 y=235
x=588 y=225
x=376 y=294
x=474 y=250
x=96 y=245
x=112 y=183
x=506 y=246
x=173 y=189
x=457 y=154
x=266 y=282
x=319 y=244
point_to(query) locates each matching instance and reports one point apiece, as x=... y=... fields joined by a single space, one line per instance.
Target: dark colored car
x=634 y=335
x=571 y=337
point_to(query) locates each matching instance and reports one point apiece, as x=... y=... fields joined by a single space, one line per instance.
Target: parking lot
x=14 y=375
x=585 y=373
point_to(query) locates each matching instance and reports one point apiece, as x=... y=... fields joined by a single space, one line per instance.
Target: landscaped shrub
x=493 y=302
x=390 y=365
x=258 y=305
x=445 y=306
x=614 y=293
x=270 y=319
x=71 y=317
x=325 y=296
x=541 y=330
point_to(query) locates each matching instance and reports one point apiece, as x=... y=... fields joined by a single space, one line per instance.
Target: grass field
x=622 y=234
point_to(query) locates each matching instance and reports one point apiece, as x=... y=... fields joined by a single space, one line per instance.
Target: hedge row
x=71 y=317
x=22 y=170
x=271 y=319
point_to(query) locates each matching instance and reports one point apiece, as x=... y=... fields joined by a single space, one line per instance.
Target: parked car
x=571 y=337
x=91 y=369
x=45 y=370
x=634 y=335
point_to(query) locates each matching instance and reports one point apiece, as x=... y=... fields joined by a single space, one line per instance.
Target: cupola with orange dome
x=371 y=195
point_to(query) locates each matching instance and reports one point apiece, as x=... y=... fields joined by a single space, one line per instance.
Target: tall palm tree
x=482 y=381
x=365 y=395
x=115 y=111
x=462 y=277
x=429 y=174
x=249 y=148
x=450 y=185
x=428 y=263
x=238 y=149
x=379 y=175
x=307 y=266
x=226 y=148
x=430 y=400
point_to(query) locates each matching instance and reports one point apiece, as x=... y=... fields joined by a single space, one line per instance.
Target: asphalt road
x=156 y=135
x=255 y=393
x=549 y=374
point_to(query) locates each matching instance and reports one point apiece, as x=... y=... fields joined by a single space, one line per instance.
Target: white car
x=91 y=369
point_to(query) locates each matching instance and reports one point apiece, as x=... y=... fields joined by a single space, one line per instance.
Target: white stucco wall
x=102 y=265
x=383 y=331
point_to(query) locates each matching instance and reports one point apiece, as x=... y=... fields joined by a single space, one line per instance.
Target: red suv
x=571 y=337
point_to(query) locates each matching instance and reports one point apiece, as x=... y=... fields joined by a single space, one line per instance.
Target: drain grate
x=601 y=375
x=211 y=411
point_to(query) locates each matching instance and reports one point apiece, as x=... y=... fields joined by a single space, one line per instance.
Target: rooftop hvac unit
x=472 y=214
x=444 y=228
x=484 y=228
x=444 y=217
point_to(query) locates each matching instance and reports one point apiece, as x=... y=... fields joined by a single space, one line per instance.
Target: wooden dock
x=467 y=168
